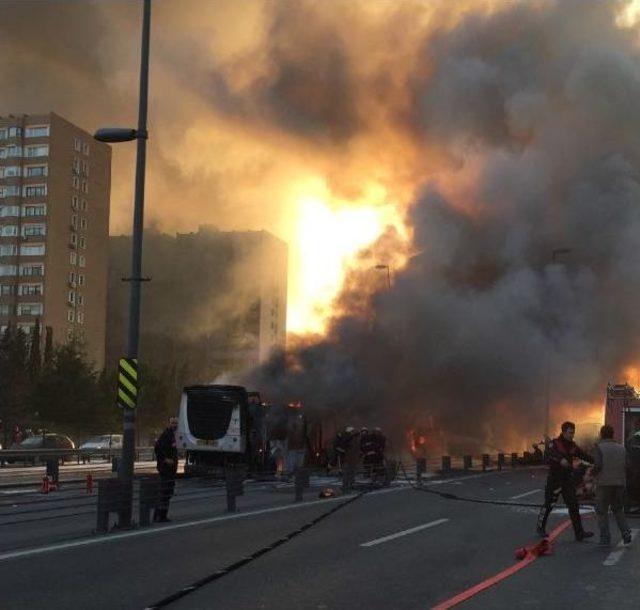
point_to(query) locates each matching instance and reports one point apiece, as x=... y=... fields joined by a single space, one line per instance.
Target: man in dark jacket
x=167 y=464
x=561 y=454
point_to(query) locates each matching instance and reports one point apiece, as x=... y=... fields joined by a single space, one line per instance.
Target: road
x=395 y=547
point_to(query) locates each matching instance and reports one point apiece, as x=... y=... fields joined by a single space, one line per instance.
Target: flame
x=329 y=234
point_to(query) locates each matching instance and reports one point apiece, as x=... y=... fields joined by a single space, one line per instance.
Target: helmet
x=349 y=429
x=377 y=429
x=364 y=429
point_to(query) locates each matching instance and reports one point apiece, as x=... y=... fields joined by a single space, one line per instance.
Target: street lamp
x=388 y=273
x=554 y=259
x=115 y=135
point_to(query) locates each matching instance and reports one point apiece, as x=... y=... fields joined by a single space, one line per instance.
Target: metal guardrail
x=45 y=454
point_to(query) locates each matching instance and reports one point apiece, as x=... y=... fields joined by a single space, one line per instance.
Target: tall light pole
x=388 y=273
x=140 y=134
x=554 y=258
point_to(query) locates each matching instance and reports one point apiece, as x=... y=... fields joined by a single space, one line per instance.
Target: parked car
x=43 y=442
x=105 y=443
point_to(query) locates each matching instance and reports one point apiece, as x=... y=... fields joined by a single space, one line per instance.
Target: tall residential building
x=54 y=227
x=216 y=302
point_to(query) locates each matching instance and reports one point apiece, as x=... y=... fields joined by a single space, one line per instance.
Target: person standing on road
x=561 y=455
x=610 y=462
x=167 y=464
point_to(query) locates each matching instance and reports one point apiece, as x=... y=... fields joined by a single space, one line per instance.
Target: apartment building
x=54 y=228
x=217 y=300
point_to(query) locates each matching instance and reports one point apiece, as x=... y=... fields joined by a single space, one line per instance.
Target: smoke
x=502 y=131
x=535 y=108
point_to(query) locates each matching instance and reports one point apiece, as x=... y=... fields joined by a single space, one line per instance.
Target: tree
x=35 y=359
x=48 y=347
x=14 y=380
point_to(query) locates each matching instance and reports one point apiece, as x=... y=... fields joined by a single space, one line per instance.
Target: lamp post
x=554 y=259
x=115 y=135
x=388 y=274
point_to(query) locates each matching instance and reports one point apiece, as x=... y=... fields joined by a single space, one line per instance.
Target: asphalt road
x=391 y=548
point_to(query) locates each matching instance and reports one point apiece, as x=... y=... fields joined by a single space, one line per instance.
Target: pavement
x=395 y=547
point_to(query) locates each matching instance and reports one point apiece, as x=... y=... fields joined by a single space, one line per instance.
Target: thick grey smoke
x=537 y=108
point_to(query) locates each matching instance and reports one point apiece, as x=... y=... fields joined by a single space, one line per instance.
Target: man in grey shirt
x=610 y=463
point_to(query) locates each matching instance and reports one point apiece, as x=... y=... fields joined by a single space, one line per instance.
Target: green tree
x=35 y=358
x=14 y=380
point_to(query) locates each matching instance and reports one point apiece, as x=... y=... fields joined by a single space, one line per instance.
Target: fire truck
x=622 y=412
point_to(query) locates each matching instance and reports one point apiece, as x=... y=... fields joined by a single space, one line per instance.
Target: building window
x=73 y=258
x=32 y=250
x=7 y=211
x=85 y=148
x=35 y=210
x=8 y=270
x=34 y=269
x=83 y=261
x=83 y=223
x=80 y=299
x=14 y=150
x=35 y=170
x=8 y=231
x=41 y=150
x=80 y=317
x=3 y=134
x=74 y=222
x=83 y=242
x=10 y=171
x=5 y=310
x=15 y=132
x=30 y=309
x=71 y=297
x=37 y=131
x=74 y=202
x=80 y=279
x=77 y=144
x=35 y=190
x=7 y=290
x=83 y=205
x=72 y=278
x=34 y=230
x=10 y=191
x=30 y=289
x=85 y=168
x=71 y=315
x=85 y=186
x=73 y=239
x=8 y=249
x=75 y=182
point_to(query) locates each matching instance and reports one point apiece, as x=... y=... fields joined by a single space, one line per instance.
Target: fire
x=328 y=235
x=417 y=442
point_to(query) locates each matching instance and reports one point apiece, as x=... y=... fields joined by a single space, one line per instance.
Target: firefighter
x=378 y=443
x=367 y=450
x=561 y=456
x=341 y=445
x=167 y=464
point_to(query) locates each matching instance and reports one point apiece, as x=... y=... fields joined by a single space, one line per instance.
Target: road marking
x=615 y=556
x=176 y=526
x=465 y=478
x=524 y=495
x=413 y=530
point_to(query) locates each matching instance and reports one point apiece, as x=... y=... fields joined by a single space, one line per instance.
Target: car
x=103 y=443
x=49 y=440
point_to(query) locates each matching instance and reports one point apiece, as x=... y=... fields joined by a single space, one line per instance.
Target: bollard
x=89 y=483
x=526 y=457
x=421 y=468
x=149 y=491
x=467 y=462
x=113 y=494
x=53 y=469
x=301 y=479
x=348 y=478
x=500 y=461
x=234 y=478
x=446 y=463
x=45 y=485
x=514 y=460
x=486 y=462
x=114 y=464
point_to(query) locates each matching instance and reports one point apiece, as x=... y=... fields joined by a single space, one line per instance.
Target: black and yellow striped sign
x=128 y=382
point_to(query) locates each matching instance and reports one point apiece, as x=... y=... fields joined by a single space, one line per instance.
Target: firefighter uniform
x=561 y=480
x=167 y=465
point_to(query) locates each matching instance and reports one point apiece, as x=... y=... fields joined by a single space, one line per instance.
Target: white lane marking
x=465 y=478
x=412 y=530
x=176 y=526
x=615 y=556
x=524 y=495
